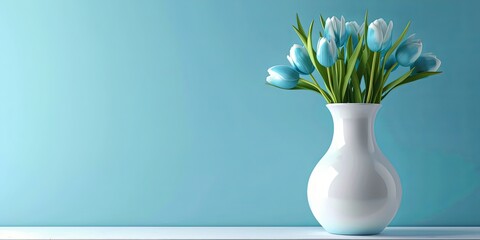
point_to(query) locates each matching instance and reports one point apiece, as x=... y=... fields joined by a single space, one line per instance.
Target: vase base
x=355 y=232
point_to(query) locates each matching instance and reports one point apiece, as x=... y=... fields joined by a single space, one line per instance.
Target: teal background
x=156 y=113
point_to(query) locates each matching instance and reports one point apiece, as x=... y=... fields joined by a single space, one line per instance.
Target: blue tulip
x=390 y=62
x=379 y=38
x=354 y=30
x=409 y=51
x=335 y=30
x=300 y=60
x=327 y=53
x=283 y=76
x=426 y=63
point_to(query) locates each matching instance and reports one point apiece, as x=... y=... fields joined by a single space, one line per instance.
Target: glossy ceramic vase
x=354 y=189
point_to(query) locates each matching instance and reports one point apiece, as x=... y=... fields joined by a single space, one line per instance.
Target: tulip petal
x=379 y=35
x=326 y=52
x=390 y=62
x=381 y=24
x=300 y=60
x=408 y=54
x=361 y=29
x=281 y=83
x=351 y=27
x=283 y=72
x=335 y=30
x=426 y=63
x=290 y=61
x=283 y=76
x=352 y=30
x=329 y=31
x=341 y=31
x=387 y=37
x=409 y=51
x=388 y=31
x=374 y=37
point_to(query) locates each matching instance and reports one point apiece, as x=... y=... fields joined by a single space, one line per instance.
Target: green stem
x=320 y=89
x=343 y=82
x=314 y=80
x=372 y=77
x=317 y=89
x=325 y=95
x=329 y=74
x=336 y=83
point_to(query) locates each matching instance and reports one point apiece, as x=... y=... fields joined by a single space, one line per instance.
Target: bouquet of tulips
x=348 y=54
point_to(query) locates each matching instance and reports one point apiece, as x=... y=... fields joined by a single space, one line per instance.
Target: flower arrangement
x=354 y=61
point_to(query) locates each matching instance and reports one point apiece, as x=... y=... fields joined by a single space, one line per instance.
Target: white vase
x=354 y=189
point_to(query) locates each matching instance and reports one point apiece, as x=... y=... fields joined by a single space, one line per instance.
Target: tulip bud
x=390 y=62
x=335 y=30
x=426 y=63
x=379 y=36
x=283 y=76
x=409 y=51
x=327 y=52
x=300 y=60
x=353 y=30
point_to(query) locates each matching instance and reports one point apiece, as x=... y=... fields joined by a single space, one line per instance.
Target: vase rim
x=339 y=104
x=354 y=107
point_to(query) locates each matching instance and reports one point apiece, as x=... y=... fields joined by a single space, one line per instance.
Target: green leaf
x=385 y=59
x=398 y=81
x=299 y=25
x=352 y=61
x=365 y=24
x=301 y=35
x=304 y=84
x=295 y=88
x=301 y=85
x=395 y=45
x=372 y=80
x=357 y=92
x=349 y=47
x=389 y=71
x=410 y=79
x=367 y=69
x=349 y=96
x=383 y=81
x=418 y=76
x=313 y=57
x=329 y=83
x=378 y=84
x=364 y=61
x=307 y=85
x=322 y=21
x=336 y=82
x=341 y=53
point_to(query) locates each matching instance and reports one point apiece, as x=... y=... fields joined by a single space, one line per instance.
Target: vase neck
x=353 y=126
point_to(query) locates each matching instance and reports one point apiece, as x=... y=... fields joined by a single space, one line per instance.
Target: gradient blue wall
x=156 y=113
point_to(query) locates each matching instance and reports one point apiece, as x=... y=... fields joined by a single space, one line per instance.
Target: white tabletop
x=217 y=233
